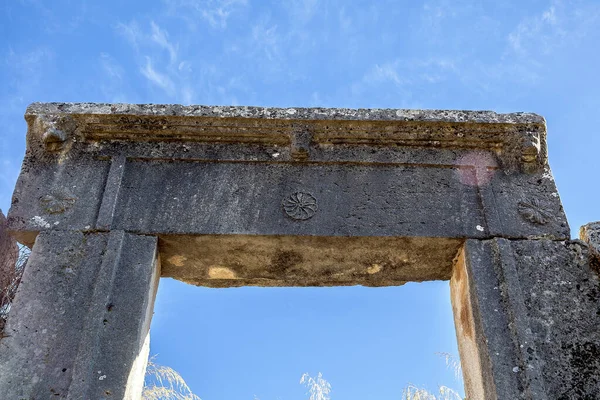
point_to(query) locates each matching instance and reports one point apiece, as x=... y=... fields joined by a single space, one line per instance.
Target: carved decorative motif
x=54 y=138
x=300 y=205
x=55 y=131
x=57 y=202
x=534 y=212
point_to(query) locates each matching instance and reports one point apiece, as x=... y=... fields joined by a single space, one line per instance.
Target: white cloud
x=411 y=72
x=266 y=39
x=55 y=22
x=159 y=79
x=303 y=10
x=215 y=12
x=435 y=13
x=112 y=69
x=160 y=37
x=344 y=20
x=26 y=71
x=558 y=25
x=131 y=32
x=520 y=60
x=442 y=22
x=113 y=86
x=158 y=60
x=156 y=39
x=387 y=72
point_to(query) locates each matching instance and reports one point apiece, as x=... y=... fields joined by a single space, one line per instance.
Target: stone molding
x=518 y=139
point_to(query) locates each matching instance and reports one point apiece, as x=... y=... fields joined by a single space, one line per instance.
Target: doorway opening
x=257 y=343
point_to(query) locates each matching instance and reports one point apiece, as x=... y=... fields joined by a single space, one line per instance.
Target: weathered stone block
x=80 y=318
x=536 y=309
x=368 y=172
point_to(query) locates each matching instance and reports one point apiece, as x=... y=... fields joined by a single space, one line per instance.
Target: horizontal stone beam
x=258 y=260
x=199 y=170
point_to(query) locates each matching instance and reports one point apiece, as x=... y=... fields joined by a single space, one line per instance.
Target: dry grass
x=415 y=393
x=453 y=363
x=7 y=294
x=164 y=383
x=412 y=392
x=318 y=388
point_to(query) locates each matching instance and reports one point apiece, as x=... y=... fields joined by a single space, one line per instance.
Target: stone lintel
x=202 y=170
x=256 y=260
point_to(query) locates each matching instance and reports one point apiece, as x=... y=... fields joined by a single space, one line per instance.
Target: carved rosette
x=534 y=212
x=300 y=206
x=57 y=202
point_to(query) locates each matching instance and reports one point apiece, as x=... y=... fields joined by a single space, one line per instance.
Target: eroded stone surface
x=562 y=301
x=80 y=318
x=537 y=311
x=285 y=113
x=8 y=254
x=259 y=260
x=465 y=309
x=161 y=169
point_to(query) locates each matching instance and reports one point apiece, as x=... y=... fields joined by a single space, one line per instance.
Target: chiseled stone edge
x=292 y=113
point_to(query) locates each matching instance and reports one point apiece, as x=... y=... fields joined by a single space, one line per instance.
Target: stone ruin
x=113 y=196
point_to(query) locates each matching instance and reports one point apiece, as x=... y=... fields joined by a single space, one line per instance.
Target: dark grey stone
x=538 y=317
x=80 y=318
x=154 y=169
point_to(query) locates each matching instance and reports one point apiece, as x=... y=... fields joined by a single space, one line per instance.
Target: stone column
x=81 y=317
x=527 y=314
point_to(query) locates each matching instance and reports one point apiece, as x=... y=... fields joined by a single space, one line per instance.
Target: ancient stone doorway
x=113 y=196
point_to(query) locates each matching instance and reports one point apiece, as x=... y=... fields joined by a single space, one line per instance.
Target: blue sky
x=538 y=55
